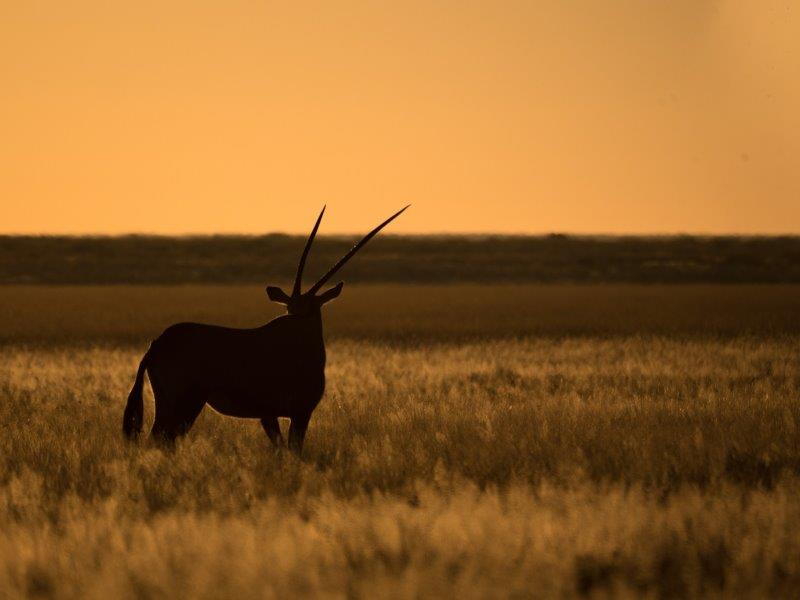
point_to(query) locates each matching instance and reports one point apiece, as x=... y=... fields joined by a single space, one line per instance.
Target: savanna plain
x=474 y=441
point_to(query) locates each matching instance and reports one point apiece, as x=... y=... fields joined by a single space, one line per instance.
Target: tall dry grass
x=534 y=466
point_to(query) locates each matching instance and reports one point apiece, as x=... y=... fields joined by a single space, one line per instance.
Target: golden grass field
x=495 y=441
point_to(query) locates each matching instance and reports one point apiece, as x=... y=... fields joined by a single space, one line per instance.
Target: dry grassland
x=473 y=442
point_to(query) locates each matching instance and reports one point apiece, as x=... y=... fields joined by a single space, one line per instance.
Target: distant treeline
x=401 y=259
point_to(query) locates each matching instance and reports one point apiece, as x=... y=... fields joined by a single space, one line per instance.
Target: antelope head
x=305 y=303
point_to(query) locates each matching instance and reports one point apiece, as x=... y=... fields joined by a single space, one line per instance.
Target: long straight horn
x=332 y=271
x=298 y=280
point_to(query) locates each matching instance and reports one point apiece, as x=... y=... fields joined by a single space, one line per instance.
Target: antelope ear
x=331 y=293
x=276 y=294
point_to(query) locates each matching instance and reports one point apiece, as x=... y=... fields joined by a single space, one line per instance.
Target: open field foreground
x=523 y=467
x=575 y=456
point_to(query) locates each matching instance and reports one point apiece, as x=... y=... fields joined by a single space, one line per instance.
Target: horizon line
x=474 y=234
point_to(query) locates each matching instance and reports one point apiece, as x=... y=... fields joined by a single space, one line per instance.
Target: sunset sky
x=630 y=116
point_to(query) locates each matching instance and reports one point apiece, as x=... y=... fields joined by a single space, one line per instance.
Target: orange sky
x=506 y=116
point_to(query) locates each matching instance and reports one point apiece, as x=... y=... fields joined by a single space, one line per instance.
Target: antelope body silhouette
x=277 y=370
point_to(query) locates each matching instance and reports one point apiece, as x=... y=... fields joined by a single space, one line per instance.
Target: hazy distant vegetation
x=474 y=441
x=406 y=314
x=401 y=259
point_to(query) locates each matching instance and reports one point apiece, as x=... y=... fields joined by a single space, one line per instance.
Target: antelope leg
x=273 y=430
x=297 y=433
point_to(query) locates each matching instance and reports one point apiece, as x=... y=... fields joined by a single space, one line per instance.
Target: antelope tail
x=134 y=409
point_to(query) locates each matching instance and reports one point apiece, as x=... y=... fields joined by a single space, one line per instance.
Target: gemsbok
x=277 y=370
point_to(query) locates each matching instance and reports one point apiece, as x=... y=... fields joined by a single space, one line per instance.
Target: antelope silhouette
x=276 y=370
